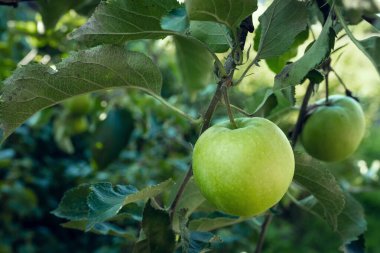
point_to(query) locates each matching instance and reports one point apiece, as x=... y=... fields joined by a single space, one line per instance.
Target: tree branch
x=230 y=66
x=302 y=114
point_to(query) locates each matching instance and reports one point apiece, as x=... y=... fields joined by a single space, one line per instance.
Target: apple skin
x=333 y=132
x=243 y=171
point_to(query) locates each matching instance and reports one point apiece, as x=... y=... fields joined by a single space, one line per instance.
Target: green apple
x=79 y=105
x=334 y=130
x=243 y=171
x=77 y=125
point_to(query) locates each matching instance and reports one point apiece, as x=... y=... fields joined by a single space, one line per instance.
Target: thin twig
x=181 y=189
x=339 y=79
x=264 y=228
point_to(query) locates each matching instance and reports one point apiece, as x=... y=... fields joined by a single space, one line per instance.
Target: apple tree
x=274 y=147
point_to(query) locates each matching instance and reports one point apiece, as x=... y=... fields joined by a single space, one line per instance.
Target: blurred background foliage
x=126 y=137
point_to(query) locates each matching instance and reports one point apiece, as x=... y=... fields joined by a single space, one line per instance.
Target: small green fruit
x=334 y=131
x=79 y=105
x=243 y=171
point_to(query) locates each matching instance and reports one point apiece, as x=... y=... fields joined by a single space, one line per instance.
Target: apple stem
x=327 y=88
x=228 y=106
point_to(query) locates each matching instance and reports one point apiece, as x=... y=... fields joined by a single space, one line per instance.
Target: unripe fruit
x=79 y=105
x=243 y=171
x=334 y=131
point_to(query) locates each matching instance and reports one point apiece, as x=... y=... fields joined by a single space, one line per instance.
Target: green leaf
x=215 y=35
x=374 y=20
x=73 y=205
x=371 y=47
x=351 y=221
x=104 y=228
x=229 y=13
x=191 y=199
x=111 y=137
x=282 y=15
x=52 y=11
x=105 y=201
x=96 y=203
x=296 y=72
x=194 y=241
x=209 y=224
x=276 y=64
x=117 y=21
x=357 y=246
x=322 y=185
x=157 y=228
x=176 y=20
x=195 y=63
x=35 y=87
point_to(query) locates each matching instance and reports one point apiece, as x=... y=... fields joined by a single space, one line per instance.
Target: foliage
x=117 y=163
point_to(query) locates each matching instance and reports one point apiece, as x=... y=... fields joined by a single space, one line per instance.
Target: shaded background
x=57 y=148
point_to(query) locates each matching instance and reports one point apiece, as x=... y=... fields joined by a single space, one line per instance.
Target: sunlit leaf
x=296 y=72
x=215 y=35
x=281 y=15
x=229 y=13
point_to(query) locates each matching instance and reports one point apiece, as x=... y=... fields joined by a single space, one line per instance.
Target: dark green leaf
x=191 y=199
x=229 y=13
x=157 y=228
x=215 y=35
x=282 y=15
x=111 y=136
x=209 y=224
x=35 y=87
x=52 y=11
x=351 y=221
x=372 y=50
x=118 y=21
x=374 y=20
x=194 y=242
x=73 y=205
x=195 y=63
x=357 y=246
x=296 y=72
x=104 y=228
x=96 y=203
x=322 y=184
x=105 y=201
